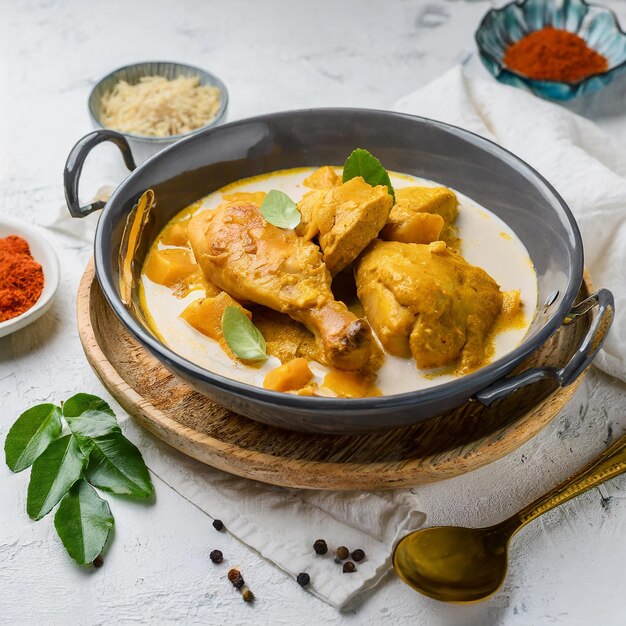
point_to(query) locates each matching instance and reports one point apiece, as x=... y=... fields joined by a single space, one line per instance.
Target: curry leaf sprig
x=363 y=163
x=66 y=468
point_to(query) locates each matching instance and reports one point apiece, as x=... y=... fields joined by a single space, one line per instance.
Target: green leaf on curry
x=280 y=210
x=363 y=163
x=116 y=465
x=54 y=472
x=242 y=336
x=31 y=434
x=83 y=522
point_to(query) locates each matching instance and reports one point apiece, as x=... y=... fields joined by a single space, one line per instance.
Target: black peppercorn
x=98 y=561
x=247 y=595
x=303 y=579
x=320 y=547
x=239 y=582
x=218 y=524
x=233 y=574
x=216 y=556
x=349 y=567
x=343 y=552
x=358 y=555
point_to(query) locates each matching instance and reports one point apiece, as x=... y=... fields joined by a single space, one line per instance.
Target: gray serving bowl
x=144 y=146
x=485 y=172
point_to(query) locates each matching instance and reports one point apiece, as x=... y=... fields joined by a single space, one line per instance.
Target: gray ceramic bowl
x=143 y=146
x=495 y=178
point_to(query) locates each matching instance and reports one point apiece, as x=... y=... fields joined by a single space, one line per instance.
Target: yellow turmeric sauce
x=351 y=384
x=183 y=310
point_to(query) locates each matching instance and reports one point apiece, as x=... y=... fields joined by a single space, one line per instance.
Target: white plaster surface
x=566 y=568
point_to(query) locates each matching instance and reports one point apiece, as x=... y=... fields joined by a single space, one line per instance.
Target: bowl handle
x=76 y=160
x=581 y=359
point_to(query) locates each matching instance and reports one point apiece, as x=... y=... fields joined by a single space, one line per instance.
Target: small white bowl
x=44 y=254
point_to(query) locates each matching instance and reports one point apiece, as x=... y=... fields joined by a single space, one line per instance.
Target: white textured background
x=567 y=568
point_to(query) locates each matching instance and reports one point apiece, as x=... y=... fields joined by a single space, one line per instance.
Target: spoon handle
x=611 y=463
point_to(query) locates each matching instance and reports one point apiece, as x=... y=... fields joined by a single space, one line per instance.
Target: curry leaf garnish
x=83 y=522
x=363 y=163
x=66 y=469
x=31 y=434
x=242 y=336
x=54 y=472
x=280 y=210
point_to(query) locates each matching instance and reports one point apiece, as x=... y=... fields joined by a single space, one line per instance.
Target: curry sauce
x=182 y=307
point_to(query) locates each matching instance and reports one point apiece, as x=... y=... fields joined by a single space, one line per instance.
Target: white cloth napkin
x=282 y=524
x=583 y=163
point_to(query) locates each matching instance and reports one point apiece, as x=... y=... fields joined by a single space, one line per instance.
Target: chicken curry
x=372 y=292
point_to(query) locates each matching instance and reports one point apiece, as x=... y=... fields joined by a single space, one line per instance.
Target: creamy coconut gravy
x=485 y=241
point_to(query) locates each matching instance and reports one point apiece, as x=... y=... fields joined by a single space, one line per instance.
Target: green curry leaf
x=31 y=434
x=54 y=472
x=280 y=210
x=363 y=163
x=89 y=417
x=91 y=425
x=116 y=465
x=242 y=336
x=81 y=402
x=83 y=522
x=95 y=452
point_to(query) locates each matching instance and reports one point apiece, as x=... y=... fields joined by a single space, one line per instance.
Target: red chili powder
x=554 y=54
x=21 y=278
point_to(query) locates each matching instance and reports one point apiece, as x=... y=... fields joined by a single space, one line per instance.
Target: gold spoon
x=455 y=564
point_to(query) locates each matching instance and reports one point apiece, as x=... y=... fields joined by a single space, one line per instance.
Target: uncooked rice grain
x=158 y=107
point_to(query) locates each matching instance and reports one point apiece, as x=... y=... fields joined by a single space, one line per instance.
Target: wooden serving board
x=451 y=444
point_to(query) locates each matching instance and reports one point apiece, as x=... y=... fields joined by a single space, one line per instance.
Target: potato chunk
x=289 y=376
x=205 y=315
x=407 y=226
x=176 y=234
x=324 y=177
x=350 y=384
x=170 y=267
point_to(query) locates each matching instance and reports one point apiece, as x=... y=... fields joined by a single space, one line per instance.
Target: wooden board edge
x=296 y=473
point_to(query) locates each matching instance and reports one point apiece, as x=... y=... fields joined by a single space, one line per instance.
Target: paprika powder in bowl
x=557 y=50
x=29 y=275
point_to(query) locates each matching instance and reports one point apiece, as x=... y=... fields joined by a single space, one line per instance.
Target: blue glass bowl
x=596 y=25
